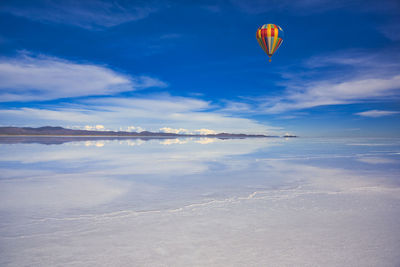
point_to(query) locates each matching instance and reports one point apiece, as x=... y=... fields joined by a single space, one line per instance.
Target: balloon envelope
x=270 y=38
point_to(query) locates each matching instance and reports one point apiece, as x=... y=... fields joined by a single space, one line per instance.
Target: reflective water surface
x=199 y=202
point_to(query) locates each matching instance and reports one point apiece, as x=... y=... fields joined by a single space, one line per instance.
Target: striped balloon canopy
x=270 y=38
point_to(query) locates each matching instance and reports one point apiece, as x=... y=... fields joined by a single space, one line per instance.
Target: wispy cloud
x=391 y=30
x=313 y=6
x=150 y=112
x=214 y=8
x=377 y=113
x=170 y=36
x=324 y=93
x=351 y=77
x=28 y=78
x=93 y=14
x=309 y=6
x=372 y=160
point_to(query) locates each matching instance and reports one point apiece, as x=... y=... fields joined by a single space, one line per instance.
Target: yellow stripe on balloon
x=275 y=38
x=269 y=38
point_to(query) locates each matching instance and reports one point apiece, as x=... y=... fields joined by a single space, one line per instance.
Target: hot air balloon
x=270 y=38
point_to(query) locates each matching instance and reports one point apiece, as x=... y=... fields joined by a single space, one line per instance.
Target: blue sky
x=195 y=66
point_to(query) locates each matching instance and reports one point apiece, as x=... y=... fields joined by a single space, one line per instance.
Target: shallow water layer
x=199 y=202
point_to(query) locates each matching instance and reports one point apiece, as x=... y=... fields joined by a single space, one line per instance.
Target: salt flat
x=201 y=202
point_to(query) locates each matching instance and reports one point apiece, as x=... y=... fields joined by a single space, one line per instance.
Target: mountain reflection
x=58 y=140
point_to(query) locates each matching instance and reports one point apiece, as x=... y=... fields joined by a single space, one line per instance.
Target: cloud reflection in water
x=219 y=202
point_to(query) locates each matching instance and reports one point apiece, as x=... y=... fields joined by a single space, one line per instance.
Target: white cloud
x=205 y=131
x=376 y=113
x=373 y=160
x=97 y=127
x=175 y=131
x=322 y=93
x=186 y=131
x=28 y=78
x=151 y=113
x=353 y=77
x=28 y=116
x=133 y=129
x=381 y=61
x=237 y=107
x=330 y=93
x=155 y=103
x=94 y=14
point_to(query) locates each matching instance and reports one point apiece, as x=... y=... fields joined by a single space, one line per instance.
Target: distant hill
x=60 y=131
x=289 y=135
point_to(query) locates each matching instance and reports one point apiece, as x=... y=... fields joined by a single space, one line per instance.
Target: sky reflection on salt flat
x=47 y=191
